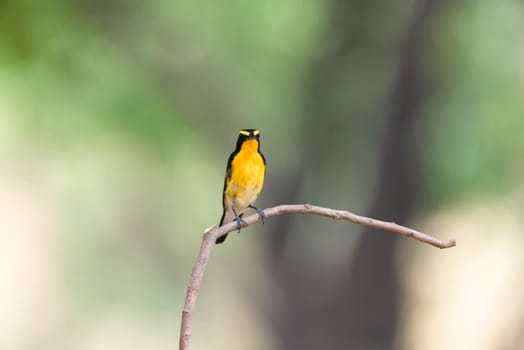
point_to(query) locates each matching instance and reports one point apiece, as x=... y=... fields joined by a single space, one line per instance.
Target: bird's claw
x=240 y=223
x=262 y=215
x=260 y=212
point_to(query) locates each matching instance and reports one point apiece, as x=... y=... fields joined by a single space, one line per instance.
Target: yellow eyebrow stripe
x=244 y=132
x=256 y=132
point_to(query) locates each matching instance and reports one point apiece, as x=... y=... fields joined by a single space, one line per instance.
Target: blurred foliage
x=477 y=111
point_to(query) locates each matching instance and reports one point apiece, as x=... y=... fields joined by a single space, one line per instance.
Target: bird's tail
x=227 y=216
x=223 y=238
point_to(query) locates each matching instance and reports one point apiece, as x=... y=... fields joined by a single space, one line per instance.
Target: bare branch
x=212 y=233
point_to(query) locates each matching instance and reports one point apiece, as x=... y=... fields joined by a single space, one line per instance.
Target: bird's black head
x=247 y=134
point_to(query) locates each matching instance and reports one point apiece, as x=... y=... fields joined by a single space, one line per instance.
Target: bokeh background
x=116 y=120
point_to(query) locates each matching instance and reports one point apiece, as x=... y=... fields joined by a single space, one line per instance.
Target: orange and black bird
x=245 y=172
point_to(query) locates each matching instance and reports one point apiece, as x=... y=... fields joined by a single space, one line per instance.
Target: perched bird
x=245 y=172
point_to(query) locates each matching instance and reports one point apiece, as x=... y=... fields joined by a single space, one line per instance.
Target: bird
x=245 y=172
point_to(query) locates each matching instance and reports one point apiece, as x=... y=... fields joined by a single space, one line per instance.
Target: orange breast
x=247 y=175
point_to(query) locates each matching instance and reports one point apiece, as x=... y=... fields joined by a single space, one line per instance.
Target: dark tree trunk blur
x=357 y=308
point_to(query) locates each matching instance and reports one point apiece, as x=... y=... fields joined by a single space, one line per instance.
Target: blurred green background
x=116 y=120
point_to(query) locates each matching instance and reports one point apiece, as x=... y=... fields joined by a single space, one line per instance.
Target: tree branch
x=212 y=233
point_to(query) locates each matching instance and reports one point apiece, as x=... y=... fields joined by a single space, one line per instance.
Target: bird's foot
x=260 y=212
x=240 y=223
